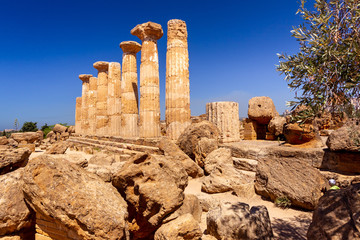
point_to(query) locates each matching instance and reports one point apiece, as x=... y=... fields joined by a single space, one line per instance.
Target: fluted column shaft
x=92 y=105
x=149 y=125
x=85 y=103
x=102 y=118
x=78 y=115
x=177 y=114
x=114 y=99
x=225 y=115
x=129 y=90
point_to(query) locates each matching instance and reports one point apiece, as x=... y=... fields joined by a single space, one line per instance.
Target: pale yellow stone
x=92 y=105
x=177 y=97
x=114 y=99
x=85 y=103
x=78 y=115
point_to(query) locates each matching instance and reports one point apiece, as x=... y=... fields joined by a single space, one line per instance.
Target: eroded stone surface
x=261 y=109
x=346 y=138
x=11 y=159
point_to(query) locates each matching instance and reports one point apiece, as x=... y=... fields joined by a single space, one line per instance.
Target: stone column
x=92 y=105
x=102 y=118
x=78 y=116
x=114 y=99
x=149 y=33
x=177 y=113
x=225 y=115
x=85 y=103
x=129 y=90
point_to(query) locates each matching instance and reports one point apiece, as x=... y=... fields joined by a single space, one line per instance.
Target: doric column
x=149 y=33
x=85 y=103
x=225 y=115
x=102 y=118
x=114 y=99
x=129 y=90
x=177 y=113
x=92 y=105
x=78 y=115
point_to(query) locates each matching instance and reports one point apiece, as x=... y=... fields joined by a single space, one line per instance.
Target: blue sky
x=45 y=45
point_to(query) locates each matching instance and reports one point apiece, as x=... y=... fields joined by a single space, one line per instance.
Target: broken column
x=129 y=90
x=114 y=99
x=225 y=115
x=78 y=115
x=177 y=113
x=149 y=33
x=85 y=103
x=102 y=119
x=92 y=105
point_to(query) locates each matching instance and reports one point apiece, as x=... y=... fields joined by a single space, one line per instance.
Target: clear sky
x=45 y=45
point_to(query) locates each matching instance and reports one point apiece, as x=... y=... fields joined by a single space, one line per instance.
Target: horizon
x=232 y=52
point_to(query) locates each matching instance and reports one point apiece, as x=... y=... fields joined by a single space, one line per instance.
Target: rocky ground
x=289 y=223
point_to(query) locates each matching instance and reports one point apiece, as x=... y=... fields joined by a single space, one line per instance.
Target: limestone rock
x=74 y=198
x=337 y=215
x=58 y=148
x=262 y=109
x=71 y=129
x=59 y=128
x=12 y=142
x=25 y=137
x=190 y=205
x=14 y=214
x=4 y=140
x=299 y=134
x=153 y=187
x=173 y=152
x=12 y=237
x=293 y=178
x=102 y=159
x=346 y=138
x=203 y=148
x=224 y=177
x=11 y=159
x=182 y=228
x=149 y=29
x=192 y=134
x=233 y=221
x=74 y=158
x=276 y=125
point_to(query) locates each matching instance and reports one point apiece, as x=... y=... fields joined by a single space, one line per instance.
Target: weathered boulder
x=299 y=134
x=4 y=140
x=188 y=140
x=182 y=228
x=11 y=159
x=203 y=148
x=261 y=109
x=174 y=153
x=12 y=142
x=223 y=176
x=58 y=148
x=14 y=214
x=102 y=159
x=25 y=137
x=276 y=125
x=11 y=237
x=337 y=215
x=153 y=187
x=75 y=158
x=74 y=198
x=236 y=220
x=71 y=129
x=59 y=128
x=346 y=138
x=191 y=204
x=41 y=134
x=297 y=180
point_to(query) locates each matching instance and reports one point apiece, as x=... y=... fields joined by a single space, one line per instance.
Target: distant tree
x=29 y=127
x=16 y=124
x=325 y=74
x=46 y=129
x=4 y=133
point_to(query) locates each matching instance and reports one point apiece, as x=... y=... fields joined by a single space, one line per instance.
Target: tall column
x=149 y=33
x=129 y=90
x=93 y=82
x=177 y=113
x=102 y=118
x=85 y=103
x=225 y=115
x=114 y=99
x=78 y=115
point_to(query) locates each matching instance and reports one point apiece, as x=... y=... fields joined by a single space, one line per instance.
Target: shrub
x=282 y=202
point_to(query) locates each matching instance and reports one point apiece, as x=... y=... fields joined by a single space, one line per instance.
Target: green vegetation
x=4 y=133
x=29 y=127
x=326 y=71
x=16 y=124
x=46 y=129
x=282 y=202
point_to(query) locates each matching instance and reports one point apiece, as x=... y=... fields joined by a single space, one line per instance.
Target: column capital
x=101 y=66
x=85 y=77
x=130 y=46
x=177 y=29
x=149 y=30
